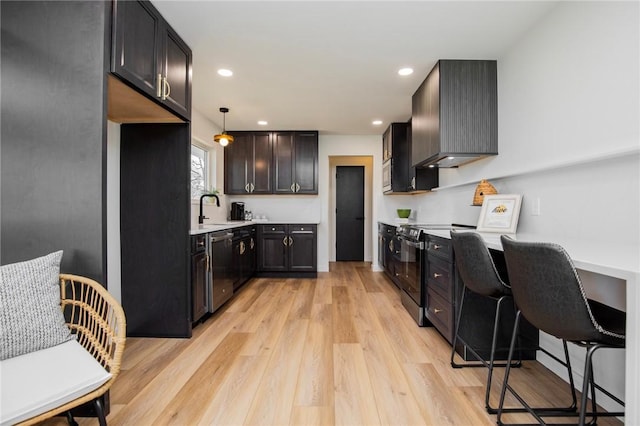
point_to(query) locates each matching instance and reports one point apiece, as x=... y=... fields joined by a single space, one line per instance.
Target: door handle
x=246 y=188
x=242 y=247
x=252 y=187
x=297 y=188
x=293 y=187
x=284 y=241
x=160 y=86
x=436 y=275
x=290 y=241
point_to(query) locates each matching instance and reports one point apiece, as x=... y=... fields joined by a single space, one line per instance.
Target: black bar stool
x=548 y=292
x=479 y=275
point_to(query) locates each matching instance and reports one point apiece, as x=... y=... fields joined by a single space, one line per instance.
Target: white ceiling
x=332 y=65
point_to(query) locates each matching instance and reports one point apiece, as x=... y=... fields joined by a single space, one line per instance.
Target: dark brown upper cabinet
x=276 y=162
x=150 y=56
x=247 y=164
x=455 y=114
x=398 y=174
x=295 y=159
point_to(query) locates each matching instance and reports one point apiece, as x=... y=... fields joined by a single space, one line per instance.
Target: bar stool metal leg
x=536 y=412
x=483 y=363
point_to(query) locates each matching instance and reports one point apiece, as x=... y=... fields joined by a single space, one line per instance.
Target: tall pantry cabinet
x=54 y=145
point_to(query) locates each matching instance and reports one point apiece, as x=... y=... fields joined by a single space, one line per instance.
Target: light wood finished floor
x=336 y=350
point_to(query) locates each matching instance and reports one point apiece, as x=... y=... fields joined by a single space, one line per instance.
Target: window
x=199 y=171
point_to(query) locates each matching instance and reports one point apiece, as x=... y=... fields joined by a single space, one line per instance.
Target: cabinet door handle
x=437 y=247
x=284 y=241
x=297 y=188
x=166 y=89
x=160 y=86
x=253 y=244
x=391 y=245
x=293 y=187
x=242 y=247
x=290 y=241
x=436 y=275
x=413 y=182
x=253 y=187
x=246 y=188
x=436 y=310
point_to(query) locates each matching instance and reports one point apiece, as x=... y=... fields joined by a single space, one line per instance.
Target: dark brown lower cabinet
x=199 y=271
x=244 y=255
x=287 y=249
x=444 y=292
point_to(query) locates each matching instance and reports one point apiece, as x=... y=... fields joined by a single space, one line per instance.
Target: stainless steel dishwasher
x=220 y=288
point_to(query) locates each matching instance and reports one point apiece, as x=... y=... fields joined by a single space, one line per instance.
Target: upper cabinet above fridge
x=455 y=114
x=150 y=56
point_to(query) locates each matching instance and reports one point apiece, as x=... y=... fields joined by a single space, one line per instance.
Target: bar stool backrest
x=547 y=290
x=476 y=266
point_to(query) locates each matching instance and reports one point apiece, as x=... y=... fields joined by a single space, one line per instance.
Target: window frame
x=209 y=157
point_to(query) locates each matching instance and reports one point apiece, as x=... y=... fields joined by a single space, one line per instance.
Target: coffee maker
x=237 y=211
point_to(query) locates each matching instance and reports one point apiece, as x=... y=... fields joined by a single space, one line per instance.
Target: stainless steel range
x=411 y=270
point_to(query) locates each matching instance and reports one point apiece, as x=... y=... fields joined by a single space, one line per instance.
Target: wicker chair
x=98 y=322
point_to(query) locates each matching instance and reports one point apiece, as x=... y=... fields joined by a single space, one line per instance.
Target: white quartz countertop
x=212 y=227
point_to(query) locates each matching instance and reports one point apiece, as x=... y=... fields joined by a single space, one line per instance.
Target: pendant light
x=223 y=138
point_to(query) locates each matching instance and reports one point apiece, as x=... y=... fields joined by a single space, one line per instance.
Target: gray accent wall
x=54 y=60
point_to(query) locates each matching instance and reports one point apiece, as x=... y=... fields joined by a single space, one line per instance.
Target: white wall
x=346 y=146
x=202 y=131
x=114 y=272
x=568 y=134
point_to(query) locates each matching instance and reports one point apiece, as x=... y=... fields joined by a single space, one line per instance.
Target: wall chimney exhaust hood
x=455 y=114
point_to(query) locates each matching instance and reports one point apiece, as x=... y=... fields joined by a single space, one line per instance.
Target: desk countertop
x=603 y=257
x=606 y=258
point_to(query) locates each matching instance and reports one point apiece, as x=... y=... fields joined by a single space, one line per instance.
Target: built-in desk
x=613 y=265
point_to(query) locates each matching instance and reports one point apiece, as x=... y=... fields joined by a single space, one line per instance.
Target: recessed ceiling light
x=262 y=123
x=405 y=71
x=376 y=122
x=225 y=72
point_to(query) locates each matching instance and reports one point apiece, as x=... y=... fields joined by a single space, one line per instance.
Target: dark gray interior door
x=350 y=213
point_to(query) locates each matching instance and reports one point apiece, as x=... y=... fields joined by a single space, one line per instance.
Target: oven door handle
x=418 y=245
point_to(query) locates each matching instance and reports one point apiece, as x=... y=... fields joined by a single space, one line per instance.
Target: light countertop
x=213 y=227
x=606 y=258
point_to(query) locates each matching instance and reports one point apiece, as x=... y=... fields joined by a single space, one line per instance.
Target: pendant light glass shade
x=223 y=138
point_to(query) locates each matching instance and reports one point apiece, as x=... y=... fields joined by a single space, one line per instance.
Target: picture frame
x=500 y=213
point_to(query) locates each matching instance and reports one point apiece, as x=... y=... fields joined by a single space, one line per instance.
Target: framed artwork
x=500 y=213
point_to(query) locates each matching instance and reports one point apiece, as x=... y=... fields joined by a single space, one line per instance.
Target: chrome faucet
x=201 y=218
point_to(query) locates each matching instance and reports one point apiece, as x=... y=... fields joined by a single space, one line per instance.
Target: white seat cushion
x=36 y=382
